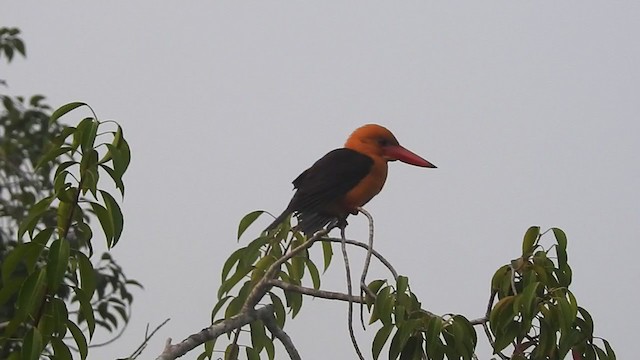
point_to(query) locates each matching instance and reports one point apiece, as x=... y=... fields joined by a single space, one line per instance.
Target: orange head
x=378 y=142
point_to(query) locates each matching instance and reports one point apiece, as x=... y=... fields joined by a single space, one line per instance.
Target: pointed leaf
x=79 y=337
x=530 y=238
x=115 y=214
x=87 y=274
x=327 y=251
x=105 y=221
x=60 y=350
x=57 y=264
x=247 y=220
x=380 y=339
x=63 y=110
x=32 y=346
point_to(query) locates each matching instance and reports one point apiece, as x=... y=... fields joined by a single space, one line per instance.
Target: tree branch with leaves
x=536 y=315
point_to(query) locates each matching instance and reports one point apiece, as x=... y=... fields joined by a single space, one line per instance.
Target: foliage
x=536 y=315
x=10 y=42
x=47 y=275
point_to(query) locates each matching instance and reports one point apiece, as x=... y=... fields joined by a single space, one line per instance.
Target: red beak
x=397 y=152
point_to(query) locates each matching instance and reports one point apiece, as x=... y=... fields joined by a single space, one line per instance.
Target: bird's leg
x=340 y=223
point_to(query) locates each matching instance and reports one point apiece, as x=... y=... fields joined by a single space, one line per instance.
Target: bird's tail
x=278 y=220
x=310 y=223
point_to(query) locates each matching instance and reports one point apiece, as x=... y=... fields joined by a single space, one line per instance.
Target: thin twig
x=485 y=324
x=147 y=337
x=367 y=262
x=384 y=261
x=350 y=292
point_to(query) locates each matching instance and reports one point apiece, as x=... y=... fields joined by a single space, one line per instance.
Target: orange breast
x=368 y=187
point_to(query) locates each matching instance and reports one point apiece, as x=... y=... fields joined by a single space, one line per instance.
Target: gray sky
x=530 y=110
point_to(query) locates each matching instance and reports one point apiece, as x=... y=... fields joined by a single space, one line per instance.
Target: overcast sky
x=529 y=109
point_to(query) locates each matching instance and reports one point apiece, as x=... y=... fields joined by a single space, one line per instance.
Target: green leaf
x=587 y=328
x=506 y=336
x=122 y=159
x=294 y=302
x=63 y=110
x=19 y=45
x=402 y=284
x=57 y=264
x=278 y=310
x=528 y=299
x=89 y=135
x=530 y=238
x=252 y=354
x=380 y=339
x=327 y=252
x=384 y=305
x=505 y=305
x=465 y=336
x=11 y=261
x=86 y=309
x=233 y=280
x=79 y=337
x=9 y=288
x=434 y=344
x=231 y=352
x=561 y=238
x=32 y=293
x=546 y=337
x=89 y=171
x=230 y=262
x=314 y=273
x=60 y=316
x=271 y=351
x=219 y=306
x=375 y=285
x=35 y=213
x=87 y=274
x=105 y=221
x=258 y=335
x=116 y=179
x=30 y=298
x=60 y=350
x=115 y=214
x=52 y=154
x=32 y=346
x=611 y=355
x=247 y=220
x=399 y=341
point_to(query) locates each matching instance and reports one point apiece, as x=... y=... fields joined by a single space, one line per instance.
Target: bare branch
x=330 y=295
x=270 y=322
x=350 y=292
x=212 y=332
x=367 y=262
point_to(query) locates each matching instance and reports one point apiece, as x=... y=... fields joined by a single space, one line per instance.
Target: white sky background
x=529 y=110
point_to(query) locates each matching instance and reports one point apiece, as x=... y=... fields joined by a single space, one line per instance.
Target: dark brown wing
x=322 y=185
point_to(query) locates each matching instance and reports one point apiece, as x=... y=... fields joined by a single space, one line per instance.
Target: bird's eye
x=383 y=142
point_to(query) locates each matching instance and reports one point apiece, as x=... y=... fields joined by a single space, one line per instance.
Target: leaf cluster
x=47 y=274
x=10 y=43
x=247 y=266
x=537 y=315
x=419 y=334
